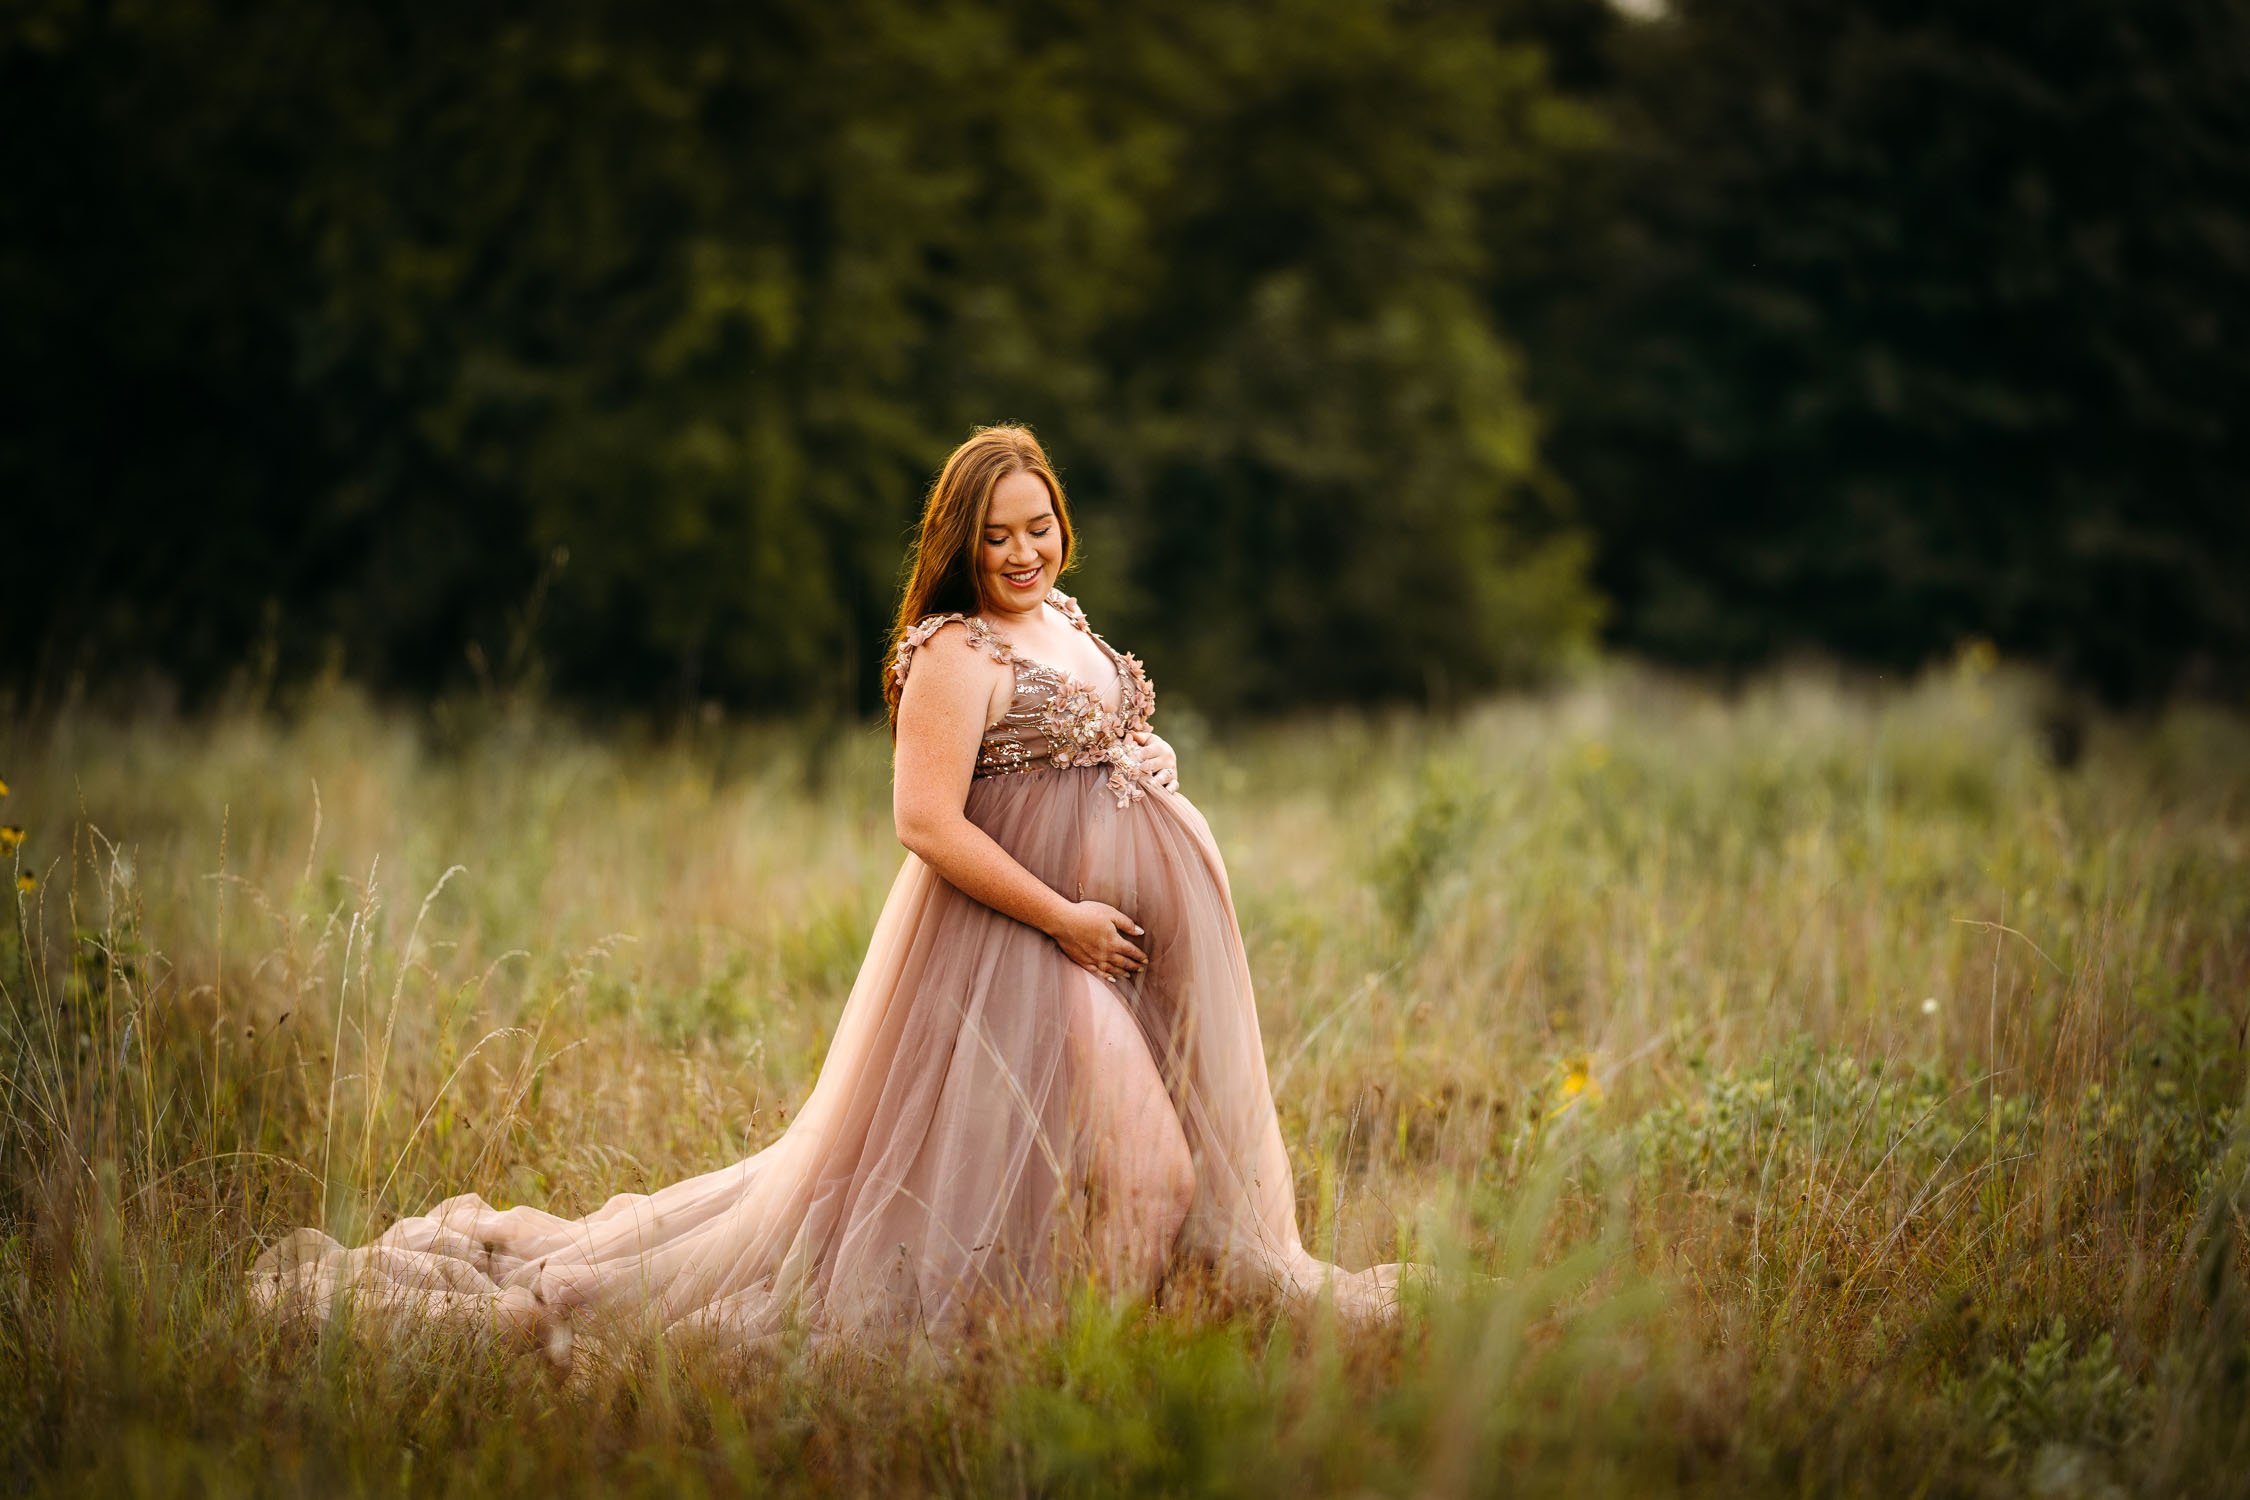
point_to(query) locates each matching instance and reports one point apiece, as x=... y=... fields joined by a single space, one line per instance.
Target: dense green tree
x=661 y=320
x=1333 y=465
x=1892 y=323
x=620 y=342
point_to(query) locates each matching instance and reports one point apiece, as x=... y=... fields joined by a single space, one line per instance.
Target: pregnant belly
x=1064 y=826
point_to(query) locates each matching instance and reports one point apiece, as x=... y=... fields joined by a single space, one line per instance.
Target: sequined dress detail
x=1055 y=720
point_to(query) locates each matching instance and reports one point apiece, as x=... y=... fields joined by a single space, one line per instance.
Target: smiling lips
x=1024 y=579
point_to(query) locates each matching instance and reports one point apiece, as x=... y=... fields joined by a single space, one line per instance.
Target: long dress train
x=991 y=1121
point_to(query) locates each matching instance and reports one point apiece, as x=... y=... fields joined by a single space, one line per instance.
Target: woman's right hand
x=1093 y=935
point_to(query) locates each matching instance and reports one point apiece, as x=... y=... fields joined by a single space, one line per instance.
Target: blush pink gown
x=992 y=1123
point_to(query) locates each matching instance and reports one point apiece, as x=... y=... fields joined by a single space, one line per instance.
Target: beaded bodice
x=1056 y=720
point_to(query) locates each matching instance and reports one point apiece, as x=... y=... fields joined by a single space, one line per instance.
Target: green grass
x=1846 y=1100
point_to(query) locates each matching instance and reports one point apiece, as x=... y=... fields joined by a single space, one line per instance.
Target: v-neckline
x=1116 y=668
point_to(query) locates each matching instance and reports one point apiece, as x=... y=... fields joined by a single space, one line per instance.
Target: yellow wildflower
x=3 y=788
x=10 y=838
x=26 y=882
x=1579 y=1085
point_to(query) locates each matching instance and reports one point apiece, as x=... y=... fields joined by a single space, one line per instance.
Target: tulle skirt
x=991 y=1126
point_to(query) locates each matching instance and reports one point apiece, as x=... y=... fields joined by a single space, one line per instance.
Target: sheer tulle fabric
x=991 y=1124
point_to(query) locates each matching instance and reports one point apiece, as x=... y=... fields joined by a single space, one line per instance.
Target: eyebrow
x=1045 y=515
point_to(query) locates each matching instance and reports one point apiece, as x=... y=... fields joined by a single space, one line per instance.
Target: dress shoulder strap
x=1139 y=701
x=1077 y=617
x=981 y=635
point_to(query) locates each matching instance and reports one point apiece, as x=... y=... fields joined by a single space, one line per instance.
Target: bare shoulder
x=947 y=668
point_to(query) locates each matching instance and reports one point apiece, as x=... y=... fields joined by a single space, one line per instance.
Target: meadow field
x=1841 y=1096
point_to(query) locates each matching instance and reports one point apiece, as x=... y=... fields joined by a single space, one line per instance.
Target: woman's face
x=1020 y=555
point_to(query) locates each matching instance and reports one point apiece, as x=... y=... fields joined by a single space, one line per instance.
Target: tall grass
x=1843 y=1098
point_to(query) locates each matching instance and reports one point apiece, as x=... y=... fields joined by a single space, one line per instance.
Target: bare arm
x=941 y=717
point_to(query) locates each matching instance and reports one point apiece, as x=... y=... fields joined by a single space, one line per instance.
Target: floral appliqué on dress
x=1055 y=720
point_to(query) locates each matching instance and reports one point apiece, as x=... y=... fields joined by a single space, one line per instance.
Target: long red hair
x=944 y=575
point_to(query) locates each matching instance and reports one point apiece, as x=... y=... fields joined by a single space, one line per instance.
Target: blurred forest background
x=1391 y=351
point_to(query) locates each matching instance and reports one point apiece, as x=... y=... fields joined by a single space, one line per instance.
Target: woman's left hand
x=1158 y=762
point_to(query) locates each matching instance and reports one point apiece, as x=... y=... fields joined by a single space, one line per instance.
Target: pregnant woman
x=1049 y=1067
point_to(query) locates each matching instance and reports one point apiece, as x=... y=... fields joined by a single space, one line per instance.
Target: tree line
x=1390 y=351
